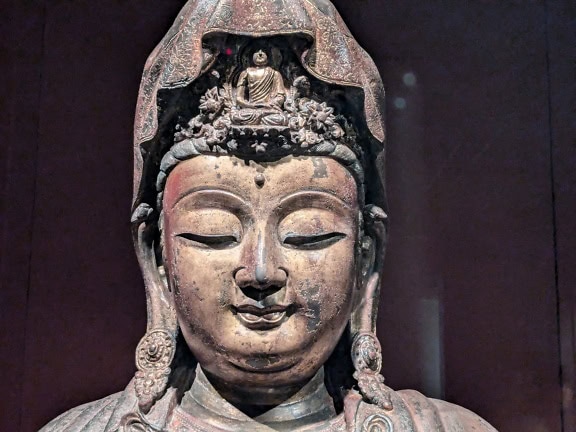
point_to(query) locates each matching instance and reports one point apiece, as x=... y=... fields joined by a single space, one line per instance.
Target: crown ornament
x=259 y=116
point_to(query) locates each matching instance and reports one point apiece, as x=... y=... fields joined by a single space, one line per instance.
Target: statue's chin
x=259 y=372
x=264 y=365
x=265 y=390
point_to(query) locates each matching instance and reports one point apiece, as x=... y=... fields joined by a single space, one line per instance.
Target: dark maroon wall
x=478 y=295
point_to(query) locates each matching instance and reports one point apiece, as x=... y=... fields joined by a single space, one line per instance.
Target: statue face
x=260 y=58
x=261 y=262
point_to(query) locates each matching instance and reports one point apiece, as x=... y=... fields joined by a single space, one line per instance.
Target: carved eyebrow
x=211 y=190
x=316 y=193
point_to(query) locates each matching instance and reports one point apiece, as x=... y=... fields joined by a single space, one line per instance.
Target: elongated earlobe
x=156 y=350
x=366 y=351
x=372 y=249
x=368 y=257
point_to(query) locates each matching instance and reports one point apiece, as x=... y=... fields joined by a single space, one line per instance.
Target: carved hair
x=194 y=147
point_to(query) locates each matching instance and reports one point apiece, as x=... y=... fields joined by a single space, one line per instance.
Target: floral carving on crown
x=287 y=120
x=261 y=118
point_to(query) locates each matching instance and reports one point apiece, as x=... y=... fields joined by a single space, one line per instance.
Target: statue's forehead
x=244 y=178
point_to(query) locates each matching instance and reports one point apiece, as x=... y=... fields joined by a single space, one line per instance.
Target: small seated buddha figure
x=260 y=95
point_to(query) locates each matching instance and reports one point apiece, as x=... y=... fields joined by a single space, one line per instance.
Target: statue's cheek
x=323 y=282
x=201 y=280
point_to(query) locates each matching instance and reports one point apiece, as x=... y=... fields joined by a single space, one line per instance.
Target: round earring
x=154 y=356
x=367 y=360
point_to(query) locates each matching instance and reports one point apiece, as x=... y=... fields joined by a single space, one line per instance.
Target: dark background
x=478 y=295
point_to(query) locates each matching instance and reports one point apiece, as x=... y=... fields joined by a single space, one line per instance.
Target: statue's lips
x=265 y=318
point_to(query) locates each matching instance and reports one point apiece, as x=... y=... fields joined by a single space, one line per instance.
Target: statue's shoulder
x=413 y=412
x=448 y=416
x=98 y=416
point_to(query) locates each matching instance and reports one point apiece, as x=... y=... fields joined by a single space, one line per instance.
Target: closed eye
x=210 y=241
x=312 y=242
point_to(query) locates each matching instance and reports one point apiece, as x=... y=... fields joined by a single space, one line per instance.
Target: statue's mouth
x=262 y=318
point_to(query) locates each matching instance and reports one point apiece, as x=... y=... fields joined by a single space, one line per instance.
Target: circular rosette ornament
x=154 y=356
x=211 y=102
x=377 y=423
x=320 y=116
x=366 y=353
x=367 y=360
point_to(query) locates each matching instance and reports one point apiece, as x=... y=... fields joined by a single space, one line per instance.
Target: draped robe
x=412 y=412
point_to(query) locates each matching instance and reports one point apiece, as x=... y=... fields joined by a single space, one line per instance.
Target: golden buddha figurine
x=266 y=94
x=260 y=238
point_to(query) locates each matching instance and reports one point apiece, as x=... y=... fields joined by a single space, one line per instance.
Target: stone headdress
x=185 y=54
x=331 y=103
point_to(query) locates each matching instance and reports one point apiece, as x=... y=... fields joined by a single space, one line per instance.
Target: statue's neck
x=311 y=404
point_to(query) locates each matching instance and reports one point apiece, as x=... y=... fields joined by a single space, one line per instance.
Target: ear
x=156 y=350
x=364 y=313
x=161 y=312
x=373 y=246
x=367 y=258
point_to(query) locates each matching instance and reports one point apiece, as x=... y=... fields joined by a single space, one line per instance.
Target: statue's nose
x=260 y=268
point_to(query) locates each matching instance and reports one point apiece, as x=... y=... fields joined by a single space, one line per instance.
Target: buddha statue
x=260 y=94
x=261 y=241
